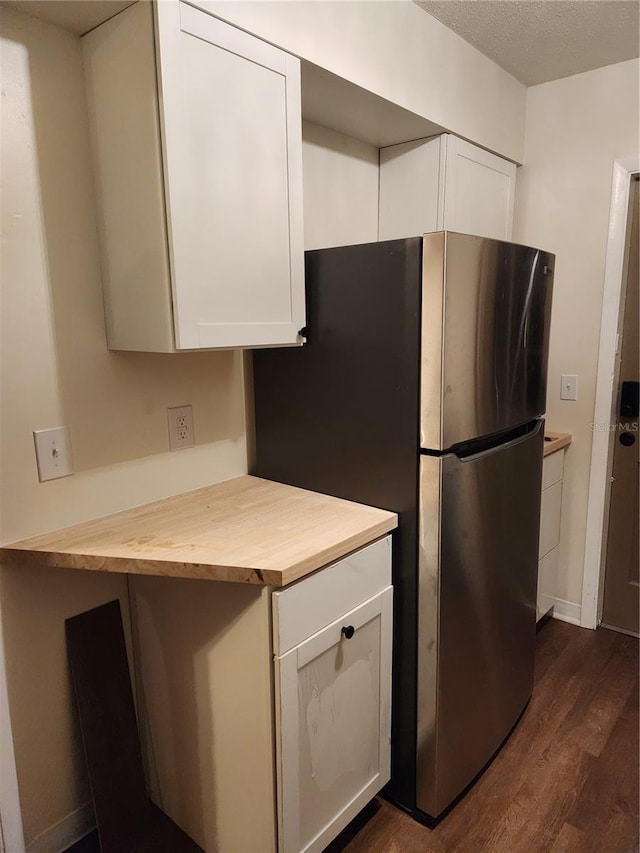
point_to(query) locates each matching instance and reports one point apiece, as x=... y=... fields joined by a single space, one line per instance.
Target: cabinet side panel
x=411 y=191
x=204 y=664
x=123 y=117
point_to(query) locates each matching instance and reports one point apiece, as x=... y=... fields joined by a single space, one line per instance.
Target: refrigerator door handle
x=496 y=448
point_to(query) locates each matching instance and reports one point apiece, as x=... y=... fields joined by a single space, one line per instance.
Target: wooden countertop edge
x=559 y=440
x=203 y=571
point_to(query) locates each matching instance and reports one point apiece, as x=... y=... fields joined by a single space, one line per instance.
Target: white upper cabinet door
x=479 y=191
x=231 y=126
x=444 y=183
x=213 y=125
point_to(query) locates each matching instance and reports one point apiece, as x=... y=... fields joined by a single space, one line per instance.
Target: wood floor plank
x=607 y=810
x=567 y=779
x=589 y=726
x=551 y=640
x=569 y=840
x=536 y=814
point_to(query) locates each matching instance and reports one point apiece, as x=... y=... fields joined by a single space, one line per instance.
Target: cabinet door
x=479 y=191
x=444 y=184
x=232 y=151
x=333 y=715
x=550 y=507
x=549 y=542
x=547 y=582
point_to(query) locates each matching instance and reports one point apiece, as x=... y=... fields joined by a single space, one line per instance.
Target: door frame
x=602 y=442
x=11 y=830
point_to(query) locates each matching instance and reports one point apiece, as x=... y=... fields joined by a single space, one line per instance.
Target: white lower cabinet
x=549 y=544
x=266 y=714
x=333 y=715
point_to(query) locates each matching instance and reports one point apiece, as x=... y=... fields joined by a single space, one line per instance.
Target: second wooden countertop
x=554 y=441
x=246 y=530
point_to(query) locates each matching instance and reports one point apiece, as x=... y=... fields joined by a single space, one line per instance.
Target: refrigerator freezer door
x=479 y=522
x=486 y=309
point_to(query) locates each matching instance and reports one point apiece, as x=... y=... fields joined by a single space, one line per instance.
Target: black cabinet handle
x=348 y=631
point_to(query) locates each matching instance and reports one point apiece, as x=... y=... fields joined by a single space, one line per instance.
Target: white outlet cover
x=53 y=453
x=180 y=427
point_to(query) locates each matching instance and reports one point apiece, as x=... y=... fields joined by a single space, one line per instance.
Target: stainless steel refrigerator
x=421 y=389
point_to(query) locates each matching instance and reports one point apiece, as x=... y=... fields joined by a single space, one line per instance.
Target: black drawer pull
x=348 y=631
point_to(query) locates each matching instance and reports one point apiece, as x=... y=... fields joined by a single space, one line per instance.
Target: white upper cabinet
x=444 y=183
x=196 y=130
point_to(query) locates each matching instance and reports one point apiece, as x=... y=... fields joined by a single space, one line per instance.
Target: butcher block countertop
x=556 y=441
x=246 y=530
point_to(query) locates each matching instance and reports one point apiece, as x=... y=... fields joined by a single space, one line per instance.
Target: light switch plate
x=569 y=387
x=53 y=453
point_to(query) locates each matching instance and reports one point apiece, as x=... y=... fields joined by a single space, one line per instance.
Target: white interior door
x=621 y=585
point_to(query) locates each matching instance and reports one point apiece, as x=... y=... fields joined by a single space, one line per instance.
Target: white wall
x=54 y=370
x=576 y=127
x=340 y=184
x=394 y=49
x=55 y=365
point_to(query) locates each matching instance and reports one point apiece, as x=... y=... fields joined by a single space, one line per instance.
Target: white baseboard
x=66 y=832
x=620 y=630
x=567 y=611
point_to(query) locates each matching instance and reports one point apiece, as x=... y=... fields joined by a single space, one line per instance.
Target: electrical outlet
x=53 y=453
x=180 y=427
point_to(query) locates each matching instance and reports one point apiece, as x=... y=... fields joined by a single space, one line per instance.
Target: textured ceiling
x=541 y=40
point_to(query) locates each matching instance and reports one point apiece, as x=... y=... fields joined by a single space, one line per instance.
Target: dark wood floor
x=567 y=779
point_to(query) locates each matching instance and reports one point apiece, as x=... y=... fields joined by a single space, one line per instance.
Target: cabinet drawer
x=552 y=469
x=550 y=518
x=304 y=608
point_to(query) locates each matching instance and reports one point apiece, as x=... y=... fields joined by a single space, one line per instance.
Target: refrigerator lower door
x=479 y=523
